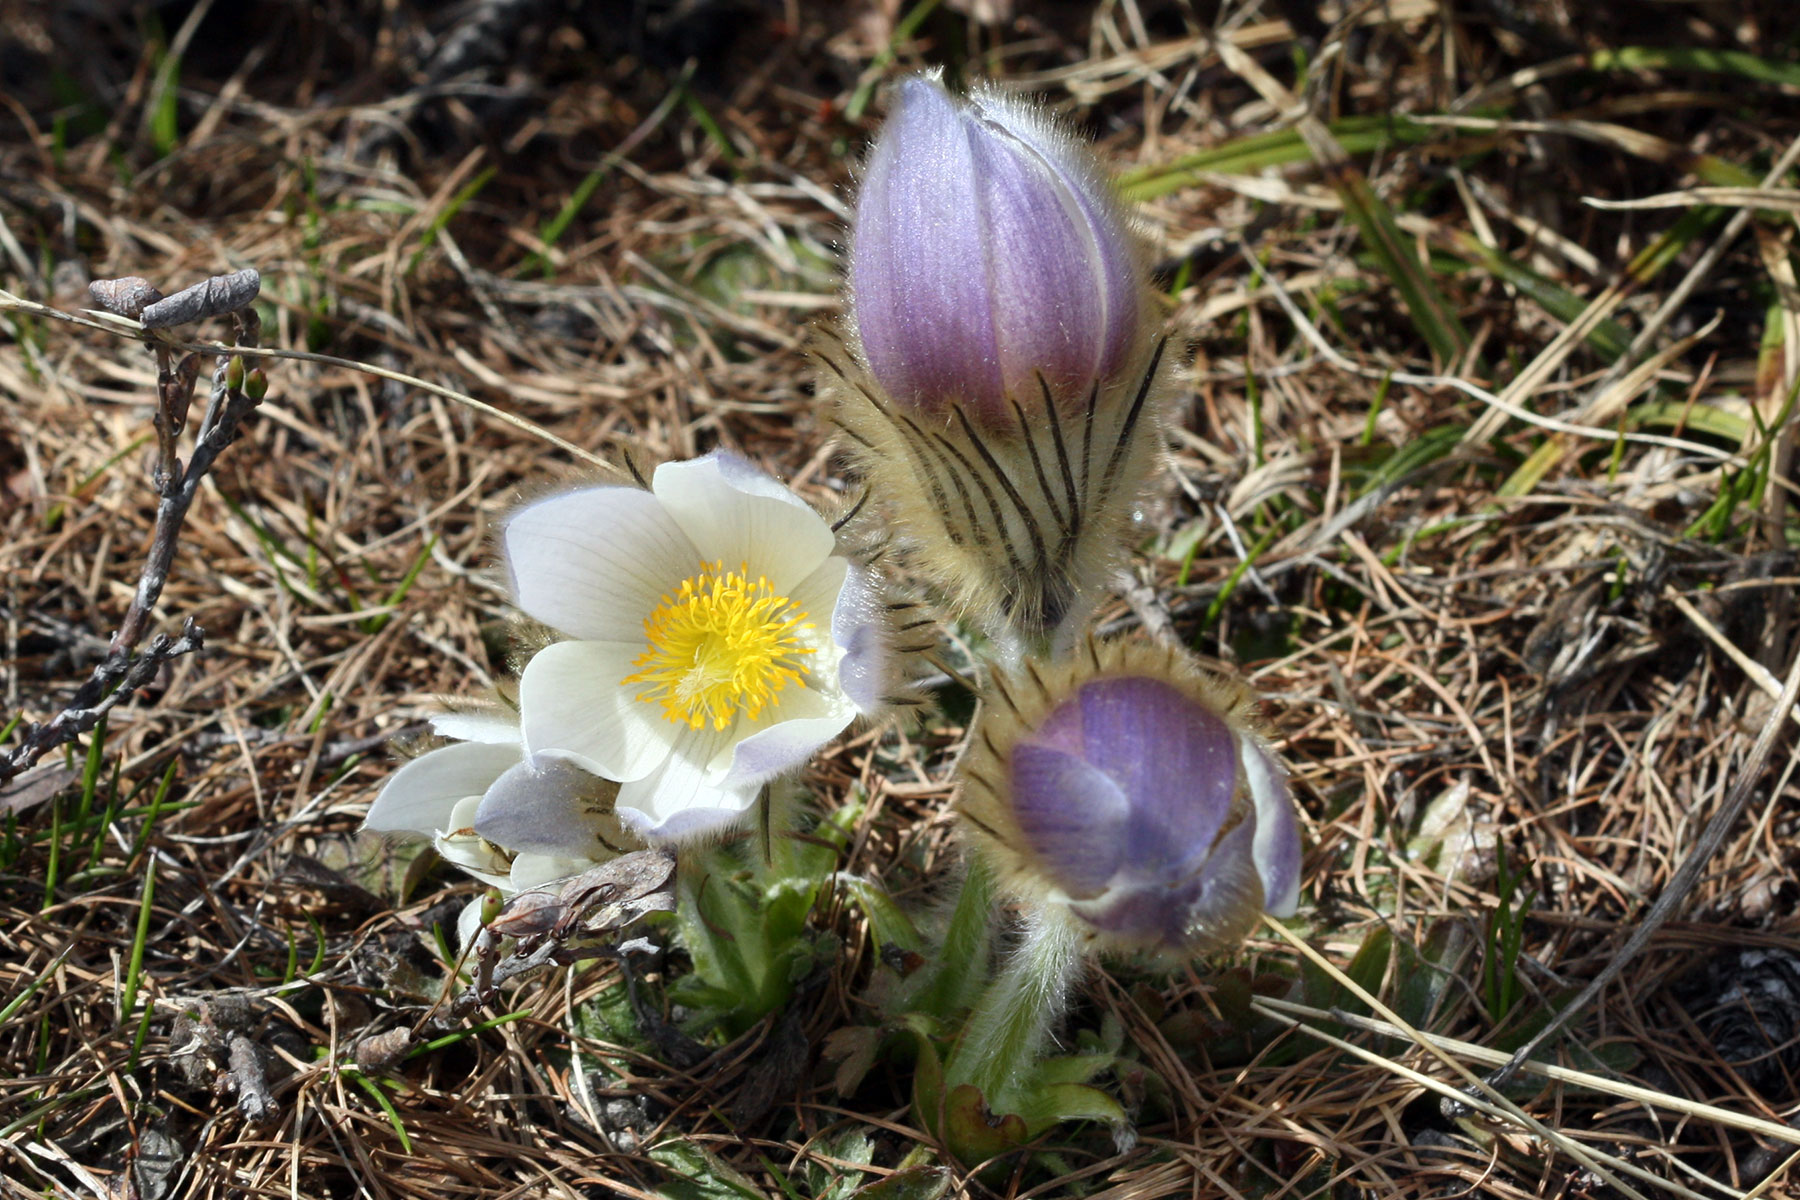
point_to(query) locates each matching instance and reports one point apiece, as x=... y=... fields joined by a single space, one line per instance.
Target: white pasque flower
x=511 y=821
x=715 y=640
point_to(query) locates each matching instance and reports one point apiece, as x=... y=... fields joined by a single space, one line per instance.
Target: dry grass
x=1489 y=599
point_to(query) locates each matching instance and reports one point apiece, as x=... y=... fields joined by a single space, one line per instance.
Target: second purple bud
x=1131 y=792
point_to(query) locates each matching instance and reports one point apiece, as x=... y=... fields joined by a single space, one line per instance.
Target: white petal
x=737 y=514
x=572 y=704
x=419 y=797
x=595 y=563
x=462 y=817
x=683 y=800
x=495 y=727
x=817 y=595
x=535 y=870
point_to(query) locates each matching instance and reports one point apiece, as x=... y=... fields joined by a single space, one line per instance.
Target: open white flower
x=510 y=821
x=715 y=639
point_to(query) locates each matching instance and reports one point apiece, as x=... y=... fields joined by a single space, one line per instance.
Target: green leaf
x=1369 y=968
x=838 y=1179
x=973 y=1132
x=888 y=922
x=1048 y=1106
x=948 y=986
x=700 y=1175
x=1713 y=62
x=910 y=1183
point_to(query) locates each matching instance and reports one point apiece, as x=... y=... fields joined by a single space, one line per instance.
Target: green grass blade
x=1608 y=337
x=1710 y=62
x=164 y=106
x=445 y=215
x=1259 y=151
x=156 y=804
x=553 y=229
x=1431 y=313
x=1238 y=570
x=134 y=972
x=375 y=623
x=42 y=977
x=386 y=1105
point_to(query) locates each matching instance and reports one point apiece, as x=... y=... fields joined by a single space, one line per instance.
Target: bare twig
x=556 y=925
x=112 y=680
x=235 y=392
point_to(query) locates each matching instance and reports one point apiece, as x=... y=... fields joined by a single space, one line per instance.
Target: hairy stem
x=1011 y=1021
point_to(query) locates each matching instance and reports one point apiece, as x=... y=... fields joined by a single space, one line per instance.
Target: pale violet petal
x=1277 y=849
x=808 y=723
x=547 y=805
x=738 y=515
x=419 y=797
x=494 y=727
x=683 y=799
x=573 y=704
x=595 y=563
x=859 y=626
x=919 y=284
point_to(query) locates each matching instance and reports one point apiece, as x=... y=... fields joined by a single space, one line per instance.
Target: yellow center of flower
x=721 y=645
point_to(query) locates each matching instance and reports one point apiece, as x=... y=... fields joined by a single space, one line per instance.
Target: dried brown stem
x=122 y=671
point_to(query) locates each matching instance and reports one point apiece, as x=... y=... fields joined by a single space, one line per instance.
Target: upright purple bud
x=987 y=251
x=1131 y=792
x=1000 y=372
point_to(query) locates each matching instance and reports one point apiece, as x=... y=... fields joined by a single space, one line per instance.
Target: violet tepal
x=1130 y=792
x=988 y=252
x=1000 y=371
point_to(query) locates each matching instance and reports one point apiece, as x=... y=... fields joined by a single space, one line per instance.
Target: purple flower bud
x=1131 y=792
x=999 y=372
x=988 y=249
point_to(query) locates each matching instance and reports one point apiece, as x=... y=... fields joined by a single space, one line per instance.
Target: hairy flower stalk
x=1000 y=373
x=1126 y=802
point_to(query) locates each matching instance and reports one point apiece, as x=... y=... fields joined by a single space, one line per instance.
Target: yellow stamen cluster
x=721 y=645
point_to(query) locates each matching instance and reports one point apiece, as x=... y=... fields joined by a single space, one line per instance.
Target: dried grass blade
x=1431 y=313
x=1599 y=1083
x=1494 y=1104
